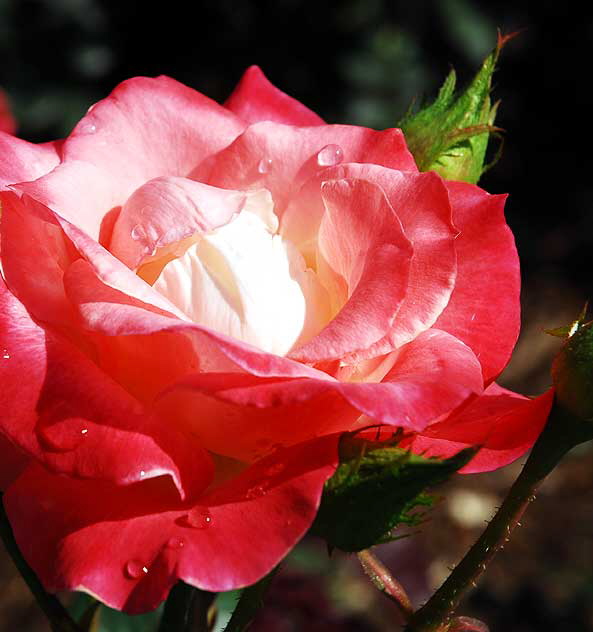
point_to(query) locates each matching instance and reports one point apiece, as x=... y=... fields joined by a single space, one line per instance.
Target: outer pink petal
x=256 y=99
x=504 y=423
x=363 y=244
x=421 y=203
x=98 y=537
x=144 y=129
x=484 y=307
x=282 y=157
x=166 y=210
x=21 y=161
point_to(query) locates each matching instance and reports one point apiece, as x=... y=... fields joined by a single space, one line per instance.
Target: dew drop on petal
x=5 y=354
x=264 y=166
x=88 y=128
x=135 y=568
x=330 y=155
x=198 y=518
x=257 y=491
x=175 y=543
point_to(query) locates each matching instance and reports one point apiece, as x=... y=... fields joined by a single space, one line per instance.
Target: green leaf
x=375 y=489
x=450 y=136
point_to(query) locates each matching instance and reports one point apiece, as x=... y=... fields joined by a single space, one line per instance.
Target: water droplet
x=5 y=354
x=198 y=518
x=257 y=491
x=63 y=437
x=138 y=233
x=265 y=165
x=88 y=128
x=175 y=543
x=142 y=473
x=135 y=569
x=330 y=155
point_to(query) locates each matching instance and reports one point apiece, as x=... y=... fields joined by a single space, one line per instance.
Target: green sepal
x=450 y=136
x=375 y=489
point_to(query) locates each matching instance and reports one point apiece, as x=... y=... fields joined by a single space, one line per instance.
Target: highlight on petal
x=146 y=128
x=484 y=309
x=129 y=545
x=256 y=99
x=503 y=424
x=281 y=158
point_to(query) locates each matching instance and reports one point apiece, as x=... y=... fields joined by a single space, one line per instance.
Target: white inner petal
x=245 y=281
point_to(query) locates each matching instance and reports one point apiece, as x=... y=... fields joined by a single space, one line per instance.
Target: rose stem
x=561 y=433
x=386 y=583
x=249 y=604
x=186 y=609
x=59 y=618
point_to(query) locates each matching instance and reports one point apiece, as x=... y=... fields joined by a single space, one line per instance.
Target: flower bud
x=572 y=373
x=450 y=136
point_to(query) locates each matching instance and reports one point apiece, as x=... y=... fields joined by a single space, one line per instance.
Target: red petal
x=484 y=307
x=256 y=99
x=504 y=423
x=97 y=537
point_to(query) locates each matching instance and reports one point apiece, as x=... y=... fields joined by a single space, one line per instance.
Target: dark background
x=363 y=62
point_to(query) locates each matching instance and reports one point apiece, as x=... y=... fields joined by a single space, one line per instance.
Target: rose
x=198 y=299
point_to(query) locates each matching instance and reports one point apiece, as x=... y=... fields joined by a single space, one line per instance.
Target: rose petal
x=167 y=210
x=21 y=161
x=363 y=252
x=281 y=158
x=256 y=99
x=484 y=307
x=146 y=128
x=504 y=423
x=429 y=377
x=71 y=416
x=98 y=537
x=421 y=203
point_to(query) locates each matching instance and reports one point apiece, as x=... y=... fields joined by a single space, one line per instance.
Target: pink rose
x=198 y=299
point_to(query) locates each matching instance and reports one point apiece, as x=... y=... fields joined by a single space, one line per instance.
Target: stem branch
x=381 y=577
x=558 y=437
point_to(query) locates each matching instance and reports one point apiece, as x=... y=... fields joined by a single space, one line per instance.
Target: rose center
x=244 y=280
